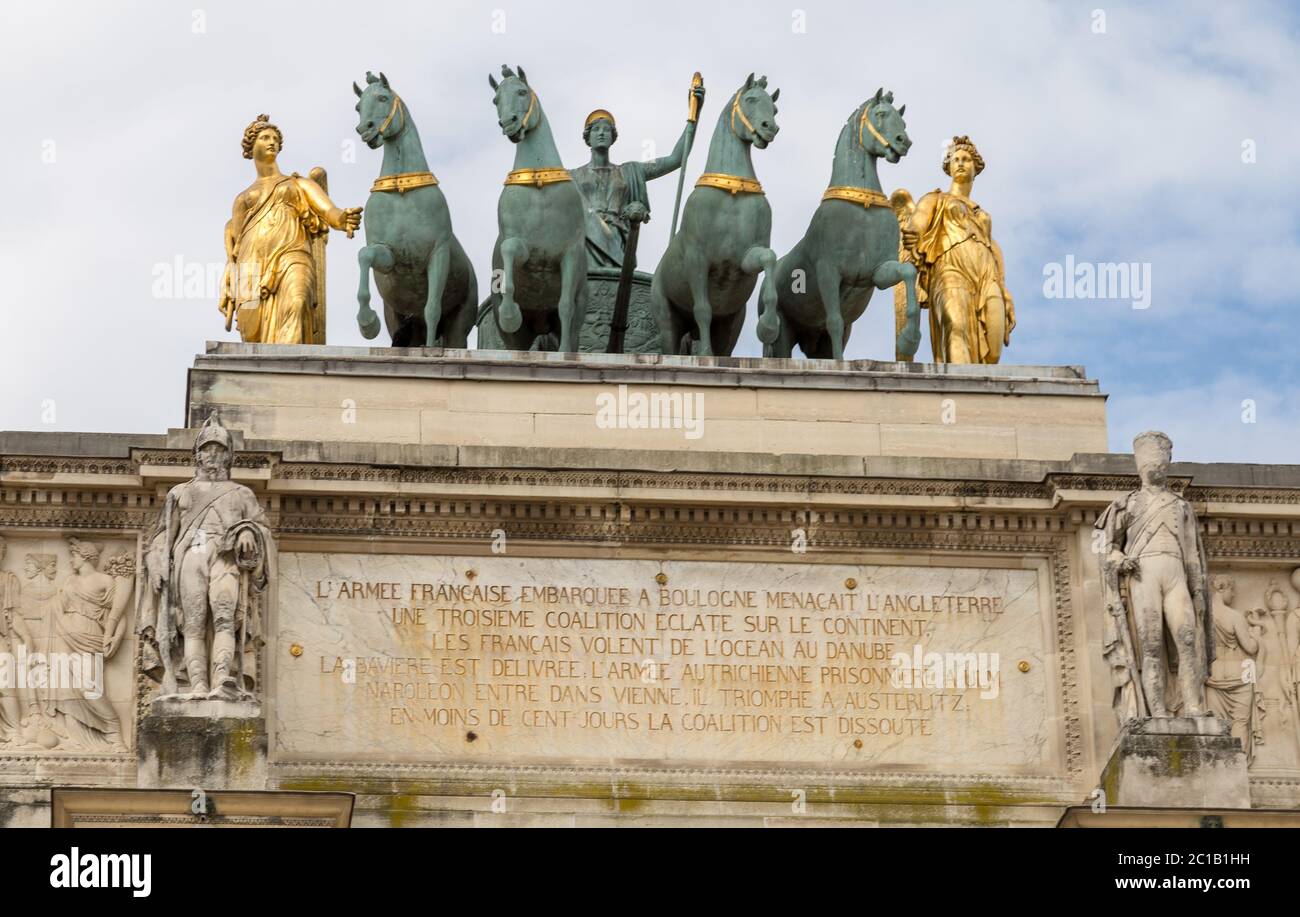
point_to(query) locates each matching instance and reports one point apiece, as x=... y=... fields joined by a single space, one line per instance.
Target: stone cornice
x=266 y=470
x=704 y=372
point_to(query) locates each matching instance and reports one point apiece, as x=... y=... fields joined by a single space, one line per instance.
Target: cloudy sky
x=1150 y=134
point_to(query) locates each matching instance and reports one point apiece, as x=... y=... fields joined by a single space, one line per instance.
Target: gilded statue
x=274 y=284
x=961 y=274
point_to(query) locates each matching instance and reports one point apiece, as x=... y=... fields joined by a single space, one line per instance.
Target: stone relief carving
x=1270 y=607
x=59 y=690
x=1230 y=690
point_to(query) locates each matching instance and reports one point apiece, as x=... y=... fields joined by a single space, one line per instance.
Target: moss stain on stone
x=242 y=749
x=1174 y=755
x=982 y=805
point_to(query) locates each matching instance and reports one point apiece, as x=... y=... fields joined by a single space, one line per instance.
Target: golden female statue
x=962 y=278
x=275 y=258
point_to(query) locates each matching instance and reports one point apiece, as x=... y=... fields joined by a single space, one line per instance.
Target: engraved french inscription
x=438 y=658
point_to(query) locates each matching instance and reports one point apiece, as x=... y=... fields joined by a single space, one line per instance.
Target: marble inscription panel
x=425 y=658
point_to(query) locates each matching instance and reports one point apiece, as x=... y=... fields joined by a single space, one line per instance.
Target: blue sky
x=1118 y=137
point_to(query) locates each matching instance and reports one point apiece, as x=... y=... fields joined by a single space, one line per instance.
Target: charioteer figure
x=615 y=195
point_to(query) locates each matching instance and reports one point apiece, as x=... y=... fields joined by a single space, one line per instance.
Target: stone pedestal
x=1178 y=762
x=210 y=744
x=640 y=404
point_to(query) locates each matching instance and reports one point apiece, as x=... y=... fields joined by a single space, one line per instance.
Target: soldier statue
x=208 y=561
x=1150 y=541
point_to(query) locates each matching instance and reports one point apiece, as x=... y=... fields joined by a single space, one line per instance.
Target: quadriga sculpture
x=540 y=255
x=850 y=249
x=705 y=277
x=427 y=283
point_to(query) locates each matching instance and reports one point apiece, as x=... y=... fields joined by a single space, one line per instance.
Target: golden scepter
x=692 y=117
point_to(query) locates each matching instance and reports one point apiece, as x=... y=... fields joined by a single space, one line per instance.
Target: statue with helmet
x=208 y=561
x=1150 y=547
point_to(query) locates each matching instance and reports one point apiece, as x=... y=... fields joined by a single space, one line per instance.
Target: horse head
x=518 y=110
x=381 y=114
x=752 y=112
x=879 y=127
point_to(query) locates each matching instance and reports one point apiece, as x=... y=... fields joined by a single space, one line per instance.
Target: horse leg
x=828 y=287
x=405 y=330
x=462 y=321
x=783 y=347
x=726 y=331
x=760 y=258
x=513 y=254
x=697 y=275
x=670 y=330
x=818 y=347
x=571 y=300
x=436 y=272
x=379 y=257
x=888 y=274
x=770 y=320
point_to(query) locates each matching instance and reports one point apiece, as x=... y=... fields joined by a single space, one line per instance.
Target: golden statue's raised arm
x=335 y=217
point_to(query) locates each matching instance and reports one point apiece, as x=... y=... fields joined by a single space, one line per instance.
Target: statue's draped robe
x=962 y=275
x=40 y=609
x=1231 y=696
x=223 y=511
x=273 y=250
x=1128 y=525
x=81 y=612
x=10 y=602
x=605 y=192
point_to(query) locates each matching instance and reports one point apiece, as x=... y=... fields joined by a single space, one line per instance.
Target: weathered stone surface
x=209 y=752
x=648 y=403
x=721 y=663
x=1165 y=762
x=66 y=644
x=708 y=516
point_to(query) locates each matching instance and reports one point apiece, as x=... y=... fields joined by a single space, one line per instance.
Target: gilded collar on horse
x=403 y=182
x=867 y=197
x=733 y=183
x=537 y=177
